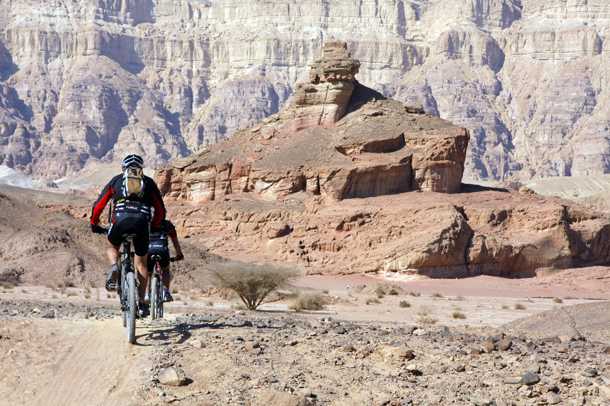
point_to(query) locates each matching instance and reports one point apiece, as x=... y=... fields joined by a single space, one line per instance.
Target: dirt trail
x=100 y=369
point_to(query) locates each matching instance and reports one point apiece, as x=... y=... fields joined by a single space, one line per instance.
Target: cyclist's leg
x=142 y=268
x=167 y=277
x=112 y=252
x=140 y=247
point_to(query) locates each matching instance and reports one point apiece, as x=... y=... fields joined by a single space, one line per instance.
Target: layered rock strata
x=377 y=189
x=380 y=147
x=87 y=80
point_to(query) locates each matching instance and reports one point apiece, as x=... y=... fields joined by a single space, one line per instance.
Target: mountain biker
x=134 y=197
x=159 y=246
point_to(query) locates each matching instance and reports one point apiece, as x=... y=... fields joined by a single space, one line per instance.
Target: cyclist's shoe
x=144 y=310
x=111 y=278
x=146 y=297
x=167 y=295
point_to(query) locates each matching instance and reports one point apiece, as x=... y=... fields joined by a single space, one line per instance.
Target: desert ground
x=478 y=341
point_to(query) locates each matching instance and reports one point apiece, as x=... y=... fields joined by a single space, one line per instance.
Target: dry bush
x=393 y=292
x=414 y=294
x=252 y=283
x=404 y=304
x=309 y=301
x=558 y=300
x=458 y=315
x=505 y=307
x=372 y=300
x=519 y=306
x=8 y=285
x=380 y=291
x=424 y=316
x=437 y=295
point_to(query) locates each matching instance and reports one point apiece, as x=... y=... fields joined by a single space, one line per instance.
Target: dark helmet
x=132 y=161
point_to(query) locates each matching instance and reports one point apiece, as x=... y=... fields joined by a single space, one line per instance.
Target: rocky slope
x=87 y=80
x=352 y=182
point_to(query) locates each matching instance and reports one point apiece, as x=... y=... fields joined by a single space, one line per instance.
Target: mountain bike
x=128 y=287
x=155 y=287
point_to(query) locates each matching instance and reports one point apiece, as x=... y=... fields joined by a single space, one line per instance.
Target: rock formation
x=84 y=81
x=377 y=189
x=381 y=147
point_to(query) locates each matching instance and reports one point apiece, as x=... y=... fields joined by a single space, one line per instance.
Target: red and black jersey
x=114 y=190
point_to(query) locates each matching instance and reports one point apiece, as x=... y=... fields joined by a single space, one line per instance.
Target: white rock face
x=90 y=80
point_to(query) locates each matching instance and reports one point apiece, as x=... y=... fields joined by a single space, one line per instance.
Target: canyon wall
x=84 y=81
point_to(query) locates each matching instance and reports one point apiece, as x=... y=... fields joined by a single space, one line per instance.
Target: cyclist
x=159 y=245
x=137 y=203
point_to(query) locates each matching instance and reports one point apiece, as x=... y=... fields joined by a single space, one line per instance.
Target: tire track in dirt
x=100 y=369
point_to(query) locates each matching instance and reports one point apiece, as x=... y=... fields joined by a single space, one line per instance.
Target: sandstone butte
x=344 y=180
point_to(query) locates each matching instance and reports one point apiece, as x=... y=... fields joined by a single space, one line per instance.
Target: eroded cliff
x=86 y=80
x=345 y=181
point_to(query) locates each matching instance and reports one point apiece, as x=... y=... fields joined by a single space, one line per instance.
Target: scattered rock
x=590 y=372
x=505 y=344
x=488 y=346
x=530 y=378
x=172 y=376
x=553 y=398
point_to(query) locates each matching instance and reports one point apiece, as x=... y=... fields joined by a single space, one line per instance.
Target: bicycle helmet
x=132 y=160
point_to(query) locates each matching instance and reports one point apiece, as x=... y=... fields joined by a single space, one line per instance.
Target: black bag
x=131 y=209
x=159 y=244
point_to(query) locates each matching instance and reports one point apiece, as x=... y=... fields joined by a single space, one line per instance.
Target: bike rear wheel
x=132 y=308
x=154 y=297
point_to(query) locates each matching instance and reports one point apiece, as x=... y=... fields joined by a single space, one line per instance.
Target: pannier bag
x=159 y=244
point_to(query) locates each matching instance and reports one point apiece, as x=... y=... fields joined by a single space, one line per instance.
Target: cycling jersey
x=132 y=207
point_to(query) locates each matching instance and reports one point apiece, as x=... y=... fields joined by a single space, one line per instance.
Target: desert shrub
x=251 y=283
x=311 y=301
x=520 y=306
x=458 y=315
x=505 y=307
x=393 y=292
x=424 y=316
x=7 y=285
x=380 y=291
x=460 y=298
x=558 y=300
x=414 y=294
x=404 y=304
x=372 y=300
x=437 y=295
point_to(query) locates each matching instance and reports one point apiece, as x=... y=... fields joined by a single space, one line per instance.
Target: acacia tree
x=252 y=283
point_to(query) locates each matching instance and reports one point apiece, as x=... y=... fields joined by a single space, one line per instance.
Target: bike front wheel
x=132 y=308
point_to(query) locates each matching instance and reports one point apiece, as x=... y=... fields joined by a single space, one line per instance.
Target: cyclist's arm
x=174 y=237
x=100 y=203
x=157 y=204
